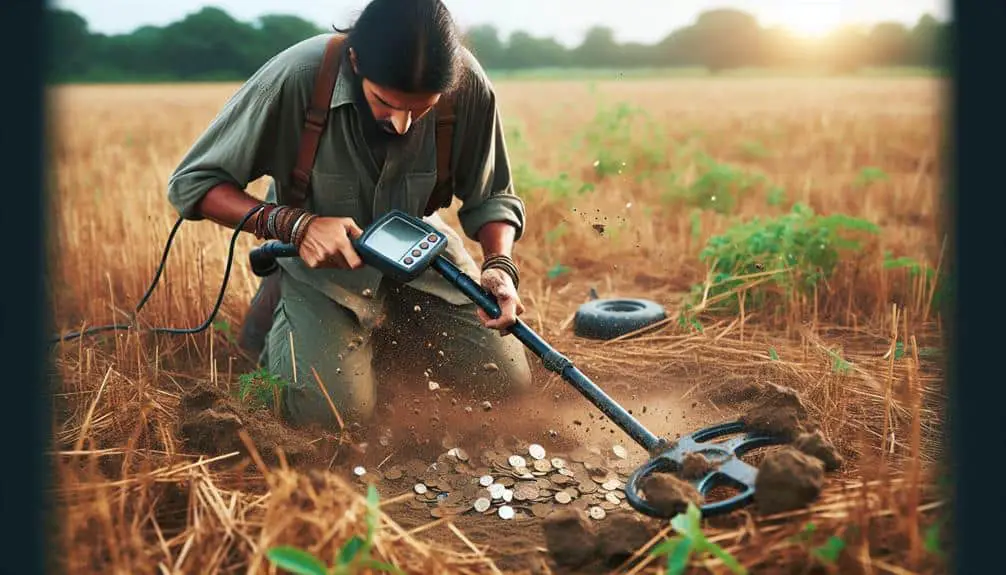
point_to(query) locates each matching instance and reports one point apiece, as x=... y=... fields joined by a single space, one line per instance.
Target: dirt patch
x=817 y=445
x=570 y=537
x=788 y=479
x=779 y=412
x=620 y=537
x=210 y=422
x=668 y=493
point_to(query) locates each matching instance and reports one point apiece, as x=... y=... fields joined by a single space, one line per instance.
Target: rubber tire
x=610 y=318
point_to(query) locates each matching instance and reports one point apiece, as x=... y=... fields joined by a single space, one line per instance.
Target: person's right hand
x=326 y=244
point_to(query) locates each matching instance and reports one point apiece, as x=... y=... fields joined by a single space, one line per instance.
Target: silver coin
x=359 y=471
x=562 y=497
x=611 y=484
x=506 y=512
x=486 y=480
x=536 y=451
x=620 y=452
x=612 y=498
x=482 y=504
x=517 y=461
x=542 y=466
x=496 y=490
x=508 y=495
x=565 y=471
x=558 y=463
x=597 y=513
x=419 y=488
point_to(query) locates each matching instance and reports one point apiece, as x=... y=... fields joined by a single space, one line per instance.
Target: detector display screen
x=395 y=238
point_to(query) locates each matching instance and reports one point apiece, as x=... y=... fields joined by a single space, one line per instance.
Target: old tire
x=610 y=318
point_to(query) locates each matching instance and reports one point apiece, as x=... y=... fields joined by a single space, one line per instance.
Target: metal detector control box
x=400 y=246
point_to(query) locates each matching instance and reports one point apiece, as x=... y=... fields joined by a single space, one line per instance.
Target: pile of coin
x=520 y=483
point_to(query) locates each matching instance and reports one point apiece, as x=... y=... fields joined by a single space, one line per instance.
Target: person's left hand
x=499 y=284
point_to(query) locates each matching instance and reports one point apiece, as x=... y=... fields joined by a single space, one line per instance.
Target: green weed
x=351 y=557
x=717 y=186
x=530 y=184
x=690 y=539
x=870 y=175
x=261 y=389
x=795 y=252
x=623 y=139
x=754 y=150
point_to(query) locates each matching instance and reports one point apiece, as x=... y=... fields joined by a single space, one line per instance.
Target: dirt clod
x=622 y=534
x=779 y=412
x=788 y=479
x=668 y=493
x=209 y=423
x=817 y=445
x=569 y=537
x=695 y=466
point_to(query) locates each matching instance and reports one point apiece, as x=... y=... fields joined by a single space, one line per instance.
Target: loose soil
x=418 y=427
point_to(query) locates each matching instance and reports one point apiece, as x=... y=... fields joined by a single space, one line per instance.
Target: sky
x=565 y=20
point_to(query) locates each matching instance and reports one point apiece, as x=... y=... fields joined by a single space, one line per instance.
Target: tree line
x=212 y=45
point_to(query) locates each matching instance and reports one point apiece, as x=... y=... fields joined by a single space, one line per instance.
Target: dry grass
x=133 y=501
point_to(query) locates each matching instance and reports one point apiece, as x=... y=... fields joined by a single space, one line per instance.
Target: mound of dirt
x=209 y=422
x=622 y=535
x=668 y=493
x=570 y=538
x=788 y=479
x=779 y=412
x=817 y=445
x=695 y=466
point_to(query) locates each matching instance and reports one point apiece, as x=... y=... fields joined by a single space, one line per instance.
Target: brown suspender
x=317 y=118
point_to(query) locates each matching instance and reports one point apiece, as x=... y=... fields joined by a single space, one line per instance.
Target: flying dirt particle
x=668 y=493
x=434 y=385
x=695 y=466
x=368 y=292
x=417 y=309
x=577 y=422
x=644 y=409
x=622 y=534
x=569 y=537
x=599 y=228
x=695 y=404
x=780 y=412
x=553 y=433
x=486 y=405
x=490 y=367
x=788 y=479
x=468 y=409
x=817 y=445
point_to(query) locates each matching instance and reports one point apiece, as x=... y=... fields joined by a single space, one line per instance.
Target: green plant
x=914 y=269
x=717 y=186
x=793 y=253
x=353 y=555
x=688 y=526
x=614 y=140
x=870 y=175
x=261 y=389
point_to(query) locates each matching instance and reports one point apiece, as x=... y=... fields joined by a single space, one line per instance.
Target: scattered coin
x=536 y=451
x=563 y=497
x=542 y=466
x=597 y=513
x=486 y=480
x=359 y=471
x=558 y=463
x=506 y=512
x=508 y=495
x=620 y=451
x=481 y=504
x=566 y=471
x=496 y=490
x=612 y=484
x=419 y=488
x=393 y=473
x=517 y=461
x=612 y=498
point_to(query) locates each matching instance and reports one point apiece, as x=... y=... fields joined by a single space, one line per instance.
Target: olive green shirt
x=257 y=133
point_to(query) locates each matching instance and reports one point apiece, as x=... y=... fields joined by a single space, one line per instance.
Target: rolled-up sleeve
x=483 y=180
x=237 y=147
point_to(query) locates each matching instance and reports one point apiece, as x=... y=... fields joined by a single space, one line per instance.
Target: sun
x=812 y=19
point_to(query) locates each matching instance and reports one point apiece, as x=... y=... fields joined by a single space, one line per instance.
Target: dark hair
x=407 y=45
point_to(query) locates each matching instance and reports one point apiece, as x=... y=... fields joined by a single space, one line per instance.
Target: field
x=792 y=228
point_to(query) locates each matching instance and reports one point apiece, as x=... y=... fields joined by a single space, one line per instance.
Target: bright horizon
x=567 y=21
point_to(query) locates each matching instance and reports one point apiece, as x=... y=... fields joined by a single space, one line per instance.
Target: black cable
x=160 y=269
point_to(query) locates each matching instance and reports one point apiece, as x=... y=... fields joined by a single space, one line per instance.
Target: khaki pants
x=447 y=339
